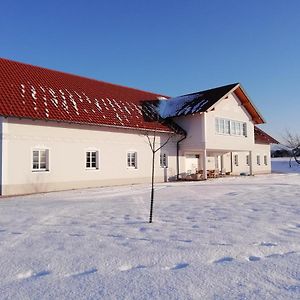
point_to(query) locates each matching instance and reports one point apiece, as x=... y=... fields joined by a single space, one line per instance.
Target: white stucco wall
x=193 y=125
x=67 y=144
x=1 y=152
x=202 y=135
x=232 y=109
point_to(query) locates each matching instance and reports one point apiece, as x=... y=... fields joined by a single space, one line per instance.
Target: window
x=40 y=158
x=230 y=127
x=265 y=160
x=91 y=161
x=245 y=129
x=227 y=126
x=163 y=160
x=238 y=126
x=247 y=160
x=258 y=160
x=132 y=160
x=236 y=160
x=233 y=129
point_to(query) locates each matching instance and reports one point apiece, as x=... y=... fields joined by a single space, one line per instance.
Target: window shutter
x=245 y=129
x=97 y=160
x=47 y=160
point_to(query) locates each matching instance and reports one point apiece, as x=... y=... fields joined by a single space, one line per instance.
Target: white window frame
x=230 y=127
x=131 y=159
x=39 y=161
x=163 y=159
x=90 y=162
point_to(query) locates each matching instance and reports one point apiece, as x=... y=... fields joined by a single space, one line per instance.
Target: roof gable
x=193 y=103
x=206 y=100
x=32 y=92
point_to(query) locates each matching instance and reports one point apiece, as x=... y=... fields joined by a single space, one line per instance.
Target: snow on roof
x=32 y=92
x=192 y=103
x=204 y=100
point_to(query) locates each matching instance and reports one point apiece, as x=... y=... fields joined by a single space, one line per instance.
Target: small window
x=91 y=159
x=236 y=160
x=132 y=160
x=245 y=129
x=265 y=160
x=258 y=160
x=247 y=160
x=163 y=160
x=40 y=158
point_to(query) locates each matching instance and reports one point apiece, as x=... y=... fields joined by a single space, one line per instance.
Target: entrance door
x=191 y=163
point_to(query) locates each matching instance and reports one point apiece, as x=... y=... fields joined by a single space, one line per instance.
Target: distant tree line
x=281 y=153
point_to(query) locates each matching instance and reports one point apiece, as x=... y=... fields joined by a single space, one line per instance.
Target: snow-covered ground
x=229 y=238
x=281 y=165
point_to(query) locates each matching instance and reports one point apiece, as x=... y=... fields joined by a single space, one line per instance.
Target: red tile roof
x=33 y=92
x=262 y=137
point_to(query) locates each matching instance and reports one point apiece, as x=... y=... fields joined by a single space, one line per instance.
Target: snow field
x=228 y=238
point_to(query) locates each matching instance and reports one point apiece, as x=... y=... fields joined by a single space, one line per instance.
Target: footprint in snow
x=178 y=266
x=143 y=229
x=268 y=244
x=87 y=272
x=253 y=258
x=32 y=274
x=232 y=194
x=130 y=267
x=76 y=234
x=125 y=267
x=223 y=260
x=15 y=232
x=185 y=241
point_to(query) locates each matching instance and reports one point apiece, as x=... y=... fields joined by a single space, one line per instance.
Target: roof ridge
x=38 y=93
x=215 y=88
x=82 y=77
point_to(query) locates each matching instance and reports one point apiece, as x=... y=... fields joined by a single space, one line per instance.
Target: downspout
x=177 y=154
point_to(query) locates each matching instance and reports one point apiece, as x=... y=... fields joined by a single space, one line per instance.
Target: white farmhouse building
x=62 y=131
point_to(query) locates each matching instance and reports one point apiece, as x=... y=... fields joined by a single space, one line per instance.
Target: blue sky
x=169 y=47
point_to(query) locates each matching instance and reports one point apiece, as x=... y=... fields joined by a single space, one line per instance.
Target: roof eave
x=90 y=124
x=262 y=120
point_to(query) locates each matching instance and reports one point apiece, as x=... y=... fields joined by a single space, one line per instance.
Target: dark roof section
x=32 y=92
x=205 y=100
x=151 y=114
x=262 y=137
x=193 y=103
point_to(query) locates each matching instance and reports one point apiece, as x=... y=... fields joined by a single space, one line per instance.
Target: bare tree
x=291 y=140
x=153 y=148
x=150 y=112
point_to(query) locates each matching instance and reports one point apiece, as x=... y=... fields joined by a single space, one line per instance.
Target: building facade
x=61 y=131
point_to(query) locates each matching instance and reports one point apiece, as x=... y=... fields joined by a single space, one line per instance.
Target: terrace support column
x=204 y=164
x=222 y=163
x=250 y=162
